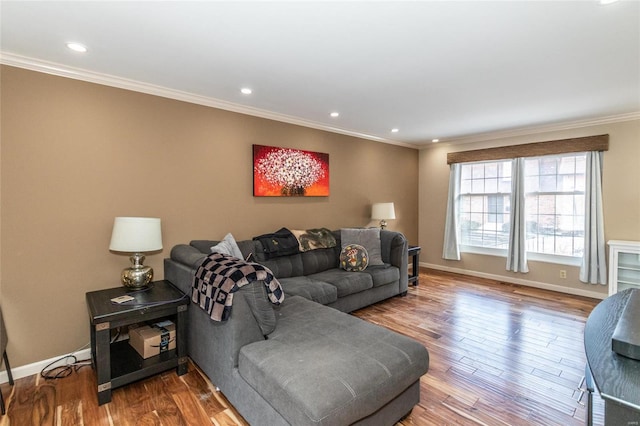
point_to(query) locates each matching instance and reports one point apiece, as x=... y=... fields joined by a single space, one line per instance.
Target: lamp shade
x=136 y=234
x=382 y=211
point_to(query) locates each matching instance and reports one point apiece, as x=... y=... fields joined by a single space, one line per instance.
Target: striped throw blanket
x=220 y=275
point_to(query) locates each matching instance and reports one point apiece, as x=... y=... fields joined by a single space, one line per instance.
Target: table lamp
x=382 y=212
x=136 y=235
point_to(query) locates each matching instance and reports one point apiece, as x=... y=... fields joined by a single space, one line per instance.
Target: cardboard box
x=150 y=340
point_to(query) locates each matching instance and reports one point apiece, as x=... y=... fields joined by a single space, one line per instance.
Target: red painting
x=286 y=172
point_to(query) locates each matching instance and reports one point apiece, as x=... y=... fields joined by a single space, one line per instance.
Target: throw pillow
x=312 y=239
x=228 y=246
x=369 y=238
x=354 y=258
x=256 y=296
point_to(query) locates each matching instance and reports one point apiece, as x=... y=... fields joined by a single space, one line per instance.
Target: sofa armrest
x=187 y=255
x=395 y=250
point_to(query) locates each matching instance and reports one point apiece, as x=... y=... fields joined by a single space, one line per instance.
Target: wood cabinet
x=624 y=265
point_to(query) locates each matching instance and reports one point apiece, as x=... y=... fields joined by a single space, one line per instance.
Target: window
x=485 y=199
x=554 y=204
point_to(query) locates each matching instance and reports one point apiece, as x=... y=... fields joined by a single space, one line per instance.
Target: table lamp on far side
x=383 y=212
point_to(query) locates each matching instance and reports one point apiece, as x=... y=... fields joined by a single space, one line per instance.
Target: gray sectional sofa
x=305 y=362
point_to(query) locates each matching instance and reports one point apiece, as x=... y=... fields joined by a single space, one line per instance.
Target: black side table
x=414 y=277
x=118 y=364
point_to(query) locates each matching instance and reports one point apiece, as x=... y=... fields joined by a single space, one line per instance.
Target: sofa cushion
x=323 y=367
x=383 y=275
x=345 y=282
x=284 y=266
x=317 y=291
x=369 y=238
x=319 y=260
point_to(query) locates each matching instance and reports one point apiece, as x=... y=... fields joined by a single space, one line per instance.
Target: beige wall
x=621 y=194
x=76 y=154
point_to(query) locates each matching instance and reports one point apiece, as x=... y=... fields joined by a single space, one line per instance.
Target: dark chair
x=3 y=349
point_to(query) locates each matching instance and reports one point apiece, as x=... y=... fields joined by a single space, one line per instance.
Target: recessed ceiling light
x=246 y=91
x=435 y=140
x=77 y=47
x=395 y=130
x=335 y=114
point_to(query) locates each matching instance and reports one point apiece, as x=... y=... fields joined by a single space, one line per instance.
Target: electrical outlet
x=563 y=273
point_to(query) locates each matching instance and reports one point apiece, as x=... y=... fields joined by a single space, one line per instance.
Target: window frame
x=545 y=192
x=500 y=252
x=486 y=210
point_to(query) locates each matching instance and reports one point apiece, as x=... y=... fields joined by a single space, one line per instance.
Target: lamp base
x=383 y=224
x=137 y=276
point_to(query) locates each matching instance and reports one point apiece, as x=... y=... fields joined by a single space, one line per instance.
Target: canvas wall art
x=286 y=172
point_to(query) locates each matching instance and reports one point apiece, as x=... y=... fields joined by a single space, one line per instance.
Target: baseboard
x=36 y=367
x=528 y=283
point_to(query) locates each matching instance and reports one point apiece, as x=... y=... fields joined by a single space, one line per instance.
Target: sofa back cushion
x=320 y=260
x=204 y=246
x=295 y=265
x=283 y=266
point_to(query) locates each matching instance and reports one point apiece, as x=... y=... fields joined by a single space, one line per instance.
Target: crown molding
x=525 y=131
x=151 y=89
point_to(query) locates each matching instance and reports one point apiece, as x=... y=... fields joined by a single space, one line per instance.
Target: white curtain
x=451 y=250
x=517 y=253
x=594 y=266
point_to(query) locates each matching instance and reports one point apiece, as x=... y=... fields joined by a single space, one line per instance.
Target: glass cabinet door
x=624 y=265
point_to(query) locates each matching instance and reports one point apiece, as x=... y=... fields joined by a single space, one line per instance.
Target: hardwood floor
x=500 y=354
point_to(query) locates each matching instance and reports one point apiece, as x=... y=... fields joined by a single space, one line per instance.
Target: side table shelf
x=117 y=364
x=414 y=276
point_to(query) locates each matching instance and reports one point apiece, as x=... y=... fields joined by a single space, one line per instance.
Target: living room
x=76 y=153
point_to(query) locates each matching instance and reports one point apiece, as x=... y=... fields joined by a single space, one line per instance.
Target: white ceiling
x=433 y=69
